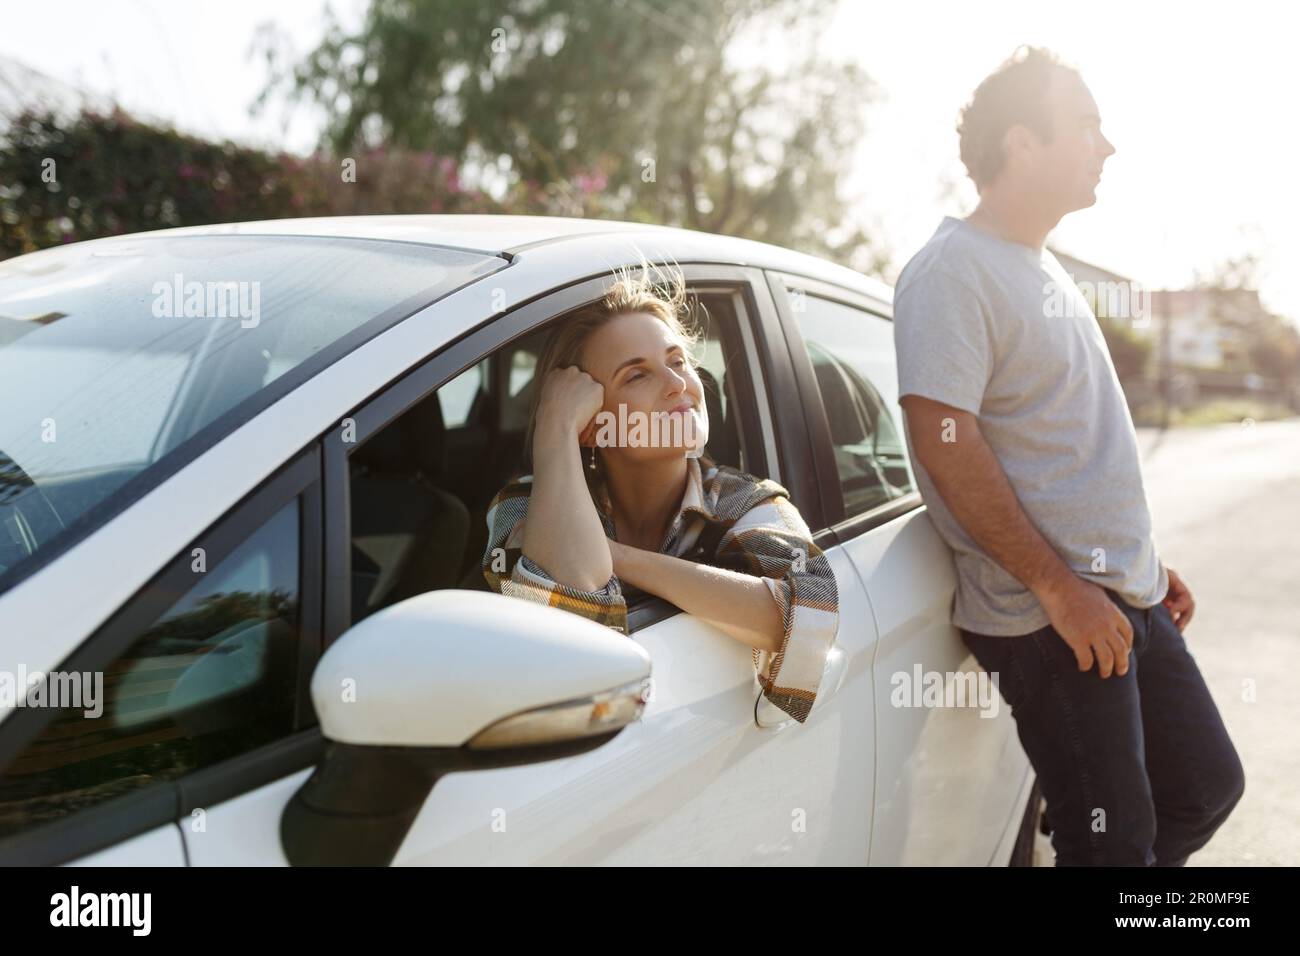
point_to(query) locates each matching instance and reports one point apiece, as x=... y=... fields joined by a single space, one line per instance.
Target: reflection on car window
x=213 y=677
x=459 y=394
x=522 y=366
x=852 y=354
x=519 y=365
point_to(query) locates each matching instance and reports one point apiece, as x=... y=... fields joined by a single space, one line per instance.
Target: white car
x=244 y=472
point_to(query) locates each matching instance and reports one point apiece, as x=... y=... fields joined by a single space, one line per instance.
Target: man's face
x=1065 y=171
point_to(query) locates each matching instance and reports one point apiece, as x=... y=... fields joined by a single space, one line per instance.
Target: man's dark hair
x=1013 y=94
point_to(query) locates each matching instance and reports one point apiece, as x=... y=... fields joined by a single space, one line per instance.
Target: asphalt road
x=1226 y=505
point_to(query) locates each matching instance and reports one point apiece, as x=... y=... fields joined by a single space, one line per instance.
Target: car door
x=949 y=767
x=763 y=788
x=710 y=774
x=203 y=695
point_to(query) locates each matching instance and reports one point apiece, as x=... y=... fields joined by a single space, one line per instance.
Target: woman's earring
x=592 y=464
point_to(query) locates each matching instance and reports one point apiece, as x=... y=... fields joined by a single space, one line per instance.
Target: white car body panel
x=159 y=847
x=946 y=777
x=244 y=830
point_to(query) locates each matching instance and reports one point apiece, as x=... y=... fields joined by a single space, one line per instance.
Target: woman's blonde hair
x=657 y=290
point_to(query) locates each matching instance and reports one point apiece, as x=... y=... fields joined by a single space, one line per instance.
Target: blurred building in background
x=1202 y=354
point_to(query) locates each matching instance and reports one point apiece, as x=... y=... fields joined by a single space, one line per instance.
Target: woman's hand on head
x=569 y=402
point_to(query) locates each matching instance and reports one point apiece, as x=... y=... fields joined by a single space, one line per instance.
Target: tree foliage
x=716 y=116
x=103 y=174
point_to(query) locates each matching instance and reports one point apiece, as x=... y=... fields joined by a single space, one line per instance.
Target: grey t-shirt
x=993 y=327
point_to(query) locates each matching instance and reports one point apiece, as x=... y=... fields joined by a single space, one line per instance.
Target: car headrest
x=724 y=444
x=414 y=441
x=426 y=432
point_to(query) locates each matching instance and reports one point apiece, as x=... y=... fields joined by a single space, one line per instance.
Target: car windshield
x=122 y=359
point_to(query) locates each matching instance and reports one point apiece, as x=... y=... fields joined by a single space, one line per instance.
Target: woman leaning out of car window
x=621 y=494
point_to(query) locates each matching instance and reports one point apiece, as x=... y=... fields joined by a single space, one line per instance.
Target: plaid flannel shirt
x=762 y=534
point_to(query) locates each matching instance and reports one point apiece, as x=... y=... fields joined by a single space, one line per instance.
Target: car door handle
x=770 y=717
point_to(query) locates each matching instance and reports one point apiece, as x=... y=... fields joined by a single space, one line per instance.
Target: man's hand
x=1179 y=600
x=1091 y=624
x=949 y=444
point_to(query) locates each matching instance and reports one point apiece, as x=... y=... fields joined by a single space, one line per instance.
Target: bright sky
x=1197 y=97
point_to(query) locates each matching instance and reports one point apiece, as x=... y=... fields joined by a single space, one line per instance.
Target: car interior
x=421 y=486
x=869 y=454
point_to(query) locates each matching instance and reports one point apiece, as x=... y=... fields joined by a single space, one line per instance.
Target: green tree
x=1261 y=342
x=1128 y=350
x=106 y=174
x=1274 y=350
x=665 y=111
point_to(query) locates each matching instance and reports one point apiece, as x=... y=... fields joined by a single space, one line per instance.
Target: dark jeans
x=1136 y=770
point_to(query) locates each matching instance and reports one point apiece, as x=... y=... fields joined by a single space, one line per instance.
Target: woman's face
x=646 y=369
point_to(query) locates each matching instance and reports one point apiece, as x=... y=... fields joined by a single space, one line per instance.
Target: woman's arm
x=786 y=569
x=562 y=532
x=739 y=605
x=509 y=571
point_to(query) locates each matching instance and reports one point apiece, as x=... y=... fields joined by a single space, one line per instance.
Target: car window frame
x=113 y=821
x=386 y=404
x=834 y=524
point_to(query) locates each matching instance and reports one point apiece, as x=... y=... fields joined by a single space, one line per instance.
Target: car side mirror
x=445 y=682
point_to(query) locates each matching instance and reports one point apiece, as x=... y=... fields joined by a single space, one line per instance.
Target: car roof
x=509 y=235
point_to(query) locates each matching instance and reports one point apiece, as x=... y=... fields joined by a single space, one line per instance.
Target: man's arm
x=968 y=476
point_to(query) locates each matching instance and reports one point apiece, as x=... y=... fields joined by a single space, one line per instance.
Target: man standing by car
x=1028 y=463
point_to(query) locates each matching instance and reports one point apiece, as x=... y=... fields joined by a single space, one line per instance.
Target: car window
x=214 y=676
x=719 y=351
x=420 y=487
x=852 y=354
x=460 y=394
x=116 y=353
x=516 y=367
